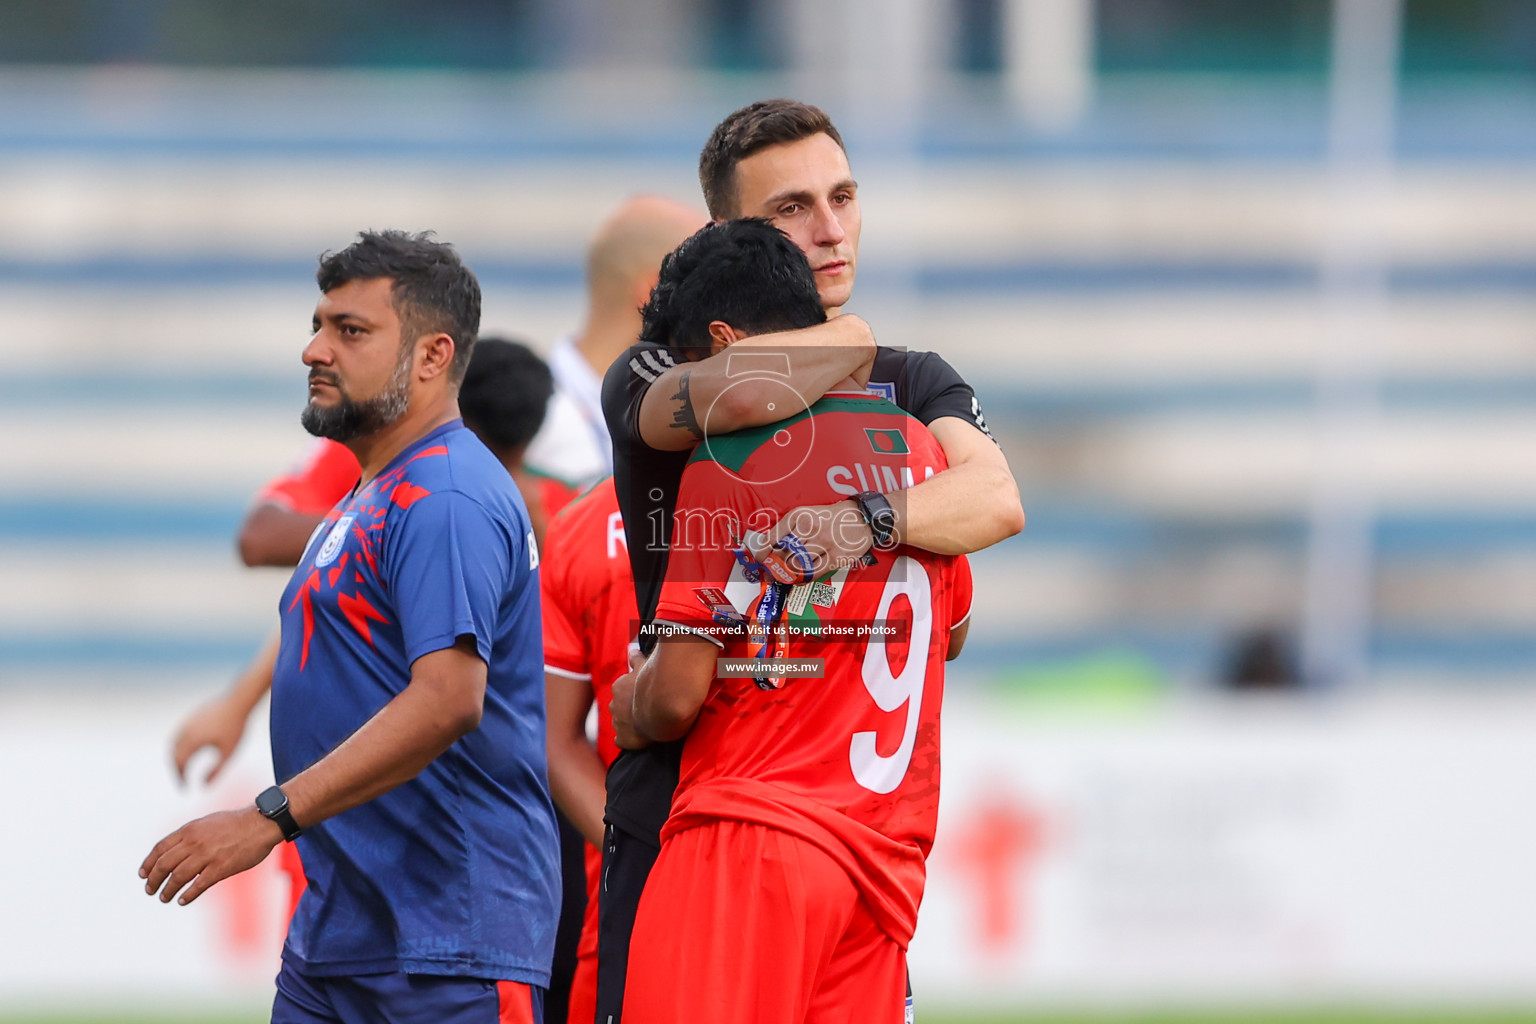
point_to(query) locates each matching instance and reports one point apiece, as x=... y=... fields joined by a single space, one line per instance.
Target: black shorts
x=627 y=862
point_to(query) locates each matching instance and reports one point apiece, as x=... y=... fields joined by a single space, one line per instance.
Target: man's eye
x=842 y=198
x=789 y=209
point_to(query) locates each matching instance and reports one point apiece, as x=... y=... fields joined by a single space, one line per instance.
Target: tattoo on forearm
x=684 y=416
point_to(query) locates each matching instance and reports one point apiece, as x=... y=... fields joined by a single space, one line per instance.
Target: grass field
x=1232 y=1016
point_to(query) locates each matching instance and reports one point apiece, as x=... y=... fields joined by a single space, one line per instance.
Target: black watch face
x=271 y=801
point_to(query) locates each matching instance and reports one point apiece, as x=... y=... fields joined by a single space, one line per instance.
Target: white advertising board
x=1235 y=849
x=1376 y=849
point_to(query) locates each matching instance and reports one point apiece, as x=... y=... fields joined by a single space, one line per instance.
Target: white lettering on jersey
x=533 y=552
x=886 y=480
x=981 y=421
x=835 y=475
x=616 y=540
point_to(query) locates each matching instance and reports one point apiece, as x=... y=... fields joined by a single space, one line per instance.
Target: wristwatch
x=272 y=802
x=877 y=512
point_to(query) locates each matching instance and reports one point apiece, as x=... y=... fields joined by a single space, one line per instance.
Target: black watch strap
x=272 y=802
x=877 y=512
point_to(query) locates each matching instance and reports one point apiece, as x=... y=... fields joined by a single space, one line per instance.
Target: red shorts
x=583 y=1002
x=742 y=922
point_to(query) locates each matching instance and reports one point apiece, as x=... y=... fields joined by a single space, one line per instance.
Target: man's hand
x=833 y=535
x=221 y=722
x=671 y=687
x=218 y=724
x=206 y=851
x=622 y=707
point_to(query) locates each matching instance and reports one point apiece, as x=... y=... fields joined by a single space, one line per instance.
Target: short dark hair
x=505 y=393
x=754 y=127
x=744 y=272
x=433 y=290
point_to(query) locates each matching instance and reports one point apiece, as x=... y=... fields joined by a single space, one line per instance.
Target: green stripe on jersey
x=734 y=449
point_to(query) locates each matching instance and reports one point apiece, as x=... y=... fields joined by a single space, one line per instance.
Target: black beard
x=348 y=420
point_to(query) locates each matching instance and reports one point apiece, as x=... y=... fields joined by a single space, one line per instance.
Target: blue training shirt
x=457 y=871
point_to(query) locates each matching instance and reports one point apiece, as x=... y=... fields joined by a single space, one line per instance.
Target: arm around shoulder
x=692 y=400
x=971 y=505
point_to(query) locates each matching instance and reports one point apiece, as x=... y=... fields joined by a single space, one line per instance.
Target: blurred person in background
x=783 y=161
x=286 y=511
x=1260 y=658
x=407 y=710
x=503 y=399
x=589 y=625
x=622 y=261
x=588 y=595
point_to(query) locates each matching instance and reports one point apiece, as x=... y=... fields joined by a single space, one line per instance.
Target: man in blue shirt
x=407 y=702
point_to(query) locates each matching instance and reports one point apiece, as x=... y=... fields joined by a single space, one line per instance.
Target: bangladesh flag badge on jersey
x=887 y=442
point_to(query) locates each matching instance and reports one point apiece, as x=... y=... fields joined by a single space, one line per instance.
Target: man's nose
x=317 y=351
x=827 y=229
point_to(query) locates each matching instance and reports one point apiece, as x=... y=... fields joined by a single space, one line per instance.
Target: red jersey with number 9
x=849 y=761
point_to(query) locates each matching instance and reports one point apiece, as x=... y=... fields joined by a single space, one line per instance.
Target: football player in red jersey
x=589 y=621
x=793 y=861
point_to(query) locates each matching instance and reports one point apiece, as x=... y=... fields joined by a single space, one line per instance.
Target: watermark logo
x=784 y=453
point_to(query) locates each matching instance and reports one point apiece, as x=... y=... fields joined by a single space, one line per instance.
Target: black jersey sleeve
x=934 y=389
x=624 y=387
x=645 y=478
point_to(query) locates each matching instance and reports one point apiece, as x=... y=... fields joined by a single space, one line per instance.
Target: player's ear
x=436 y=352
x=722 y=336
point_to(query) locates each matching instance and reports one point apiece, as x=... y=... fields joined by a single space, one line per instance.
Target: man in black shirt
x=783 y=161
